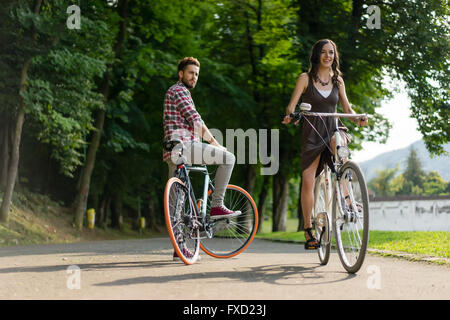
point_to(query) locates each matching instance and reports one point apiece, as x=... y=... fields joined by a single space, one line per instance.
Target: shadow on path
x=273 y=274
x=92 y=266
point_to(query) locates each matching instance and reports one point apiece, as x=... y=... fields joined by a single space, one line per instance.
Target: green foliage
x=414 y=172
x=434 y=184
x=382 y=184
x=417 y=242
x=413 y=45
x=60 y=93
x=251 y=54
x=413 y=181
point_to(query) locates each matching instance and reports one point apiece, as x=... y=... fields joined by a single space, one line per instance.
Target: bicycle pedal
x=198 y=224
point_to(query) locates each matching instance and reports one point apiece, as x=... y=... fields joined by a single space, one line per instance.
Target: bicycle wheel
x=181 y=221
x=321 y=223
x=228 y=237
x=351 y=217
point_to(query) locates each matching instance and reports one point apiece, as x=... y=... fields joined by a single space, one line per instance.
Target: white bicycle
x=341 y=190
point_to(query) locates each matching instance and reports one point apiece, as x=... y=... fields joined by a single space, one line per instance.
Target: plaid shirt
x=180 y=116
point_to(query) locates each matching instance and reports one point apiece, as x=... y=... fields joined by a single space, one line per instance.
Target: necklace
x=323 y=83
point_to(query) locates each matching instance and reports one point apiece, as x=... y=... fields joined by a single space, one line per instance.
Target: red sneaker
x=223 y=212
x=186 y=253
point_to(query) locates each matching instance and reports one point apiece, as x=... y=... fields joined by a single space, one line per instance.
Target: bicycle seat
x=169 y=145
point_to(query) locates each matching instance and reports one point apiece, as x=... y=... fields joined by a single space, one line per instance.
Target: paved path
x=143 y=269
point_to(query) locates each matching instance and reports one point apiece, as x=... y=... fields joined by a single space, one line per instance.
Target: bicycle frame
x=332 y=182
x=196 y=225
x=183 y=173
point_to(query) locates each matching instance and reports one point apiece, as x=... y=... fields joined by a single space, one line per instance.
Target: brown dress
x=312 y=143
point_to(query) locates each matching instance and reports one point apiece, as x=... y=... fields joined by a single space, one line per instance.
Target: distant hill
x=390 y=159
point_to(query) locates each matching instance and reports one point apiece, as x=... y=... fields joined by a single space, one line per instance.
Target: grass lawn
x=436 y=244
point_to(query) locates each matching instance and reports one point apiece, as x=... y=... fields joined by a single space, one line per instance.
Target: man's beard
x=186 y=83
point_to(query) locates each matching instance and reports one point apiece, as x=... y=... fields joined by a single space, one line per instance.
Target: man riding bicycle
x=183 y=123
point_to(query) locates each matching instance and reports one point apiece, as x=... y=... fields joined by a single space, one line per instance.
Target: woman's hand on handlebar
x=286 y=120
x=363 y=121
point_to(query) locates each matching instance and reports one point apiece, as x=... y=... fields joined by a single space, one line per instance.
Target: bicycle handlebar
x=298 y=115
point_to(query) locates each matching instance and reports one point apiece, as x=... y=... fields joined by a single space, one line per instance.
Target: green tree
x=414 y=175
x=412 y=45
x=433 y=184
x=84 y=180
x=100 y=89
x=397 y=184
x=382 y=184
x=55 y=72
x=128 y=167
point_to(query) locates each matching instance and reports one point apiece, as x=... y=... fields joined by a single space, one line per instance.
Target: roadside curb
x=386 y=253
x=410 y=256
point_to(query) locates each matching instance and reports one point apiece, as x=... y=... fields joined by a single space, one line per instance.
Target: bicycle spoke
x=180 y=222
x=350 y=219
x=232 y=235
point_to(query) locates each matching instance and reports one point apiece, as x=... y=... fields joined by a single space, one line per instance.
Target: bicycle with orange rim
x=187 y=218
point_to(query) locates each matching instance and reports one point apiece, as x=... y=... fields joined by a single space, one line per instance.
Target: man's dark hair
x=187 y=61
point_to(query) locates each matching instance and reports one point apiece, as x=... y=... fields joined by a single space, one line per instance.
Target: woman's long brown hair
x=314 y=60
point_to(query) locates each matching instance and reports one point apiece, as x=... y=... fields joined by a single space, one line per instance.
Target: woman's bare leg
x=307 y=195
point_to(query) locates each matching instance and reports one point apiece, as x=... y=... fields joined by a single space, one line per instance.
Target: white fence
x=410 y=213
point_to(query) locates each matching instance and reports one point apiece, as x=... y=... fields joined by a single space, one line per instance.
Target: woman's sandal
x=310 y=245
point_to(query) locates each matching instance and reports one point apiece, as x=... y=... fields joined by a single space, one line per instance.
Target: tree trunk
x=251 y=179
x=15 y=148
x=262 y=201
x=280 y=202
x=5 y=145
x=85 y=177
x=116 y=216
x=101 y=211
x=14 y=163
x=81 y=198
x=152 y=222
x=104 y=210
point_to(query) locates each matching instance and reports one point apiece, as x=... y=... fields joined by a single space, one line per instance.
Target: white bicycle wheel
x=351 y=217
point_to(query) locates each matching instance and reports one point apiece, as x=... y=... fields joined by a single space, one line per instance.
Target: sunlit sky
x=403 y=133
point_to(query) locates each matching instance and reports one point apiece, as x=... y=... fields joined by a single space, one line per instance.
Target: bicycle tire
x=349 y=215
x=181 y=221
x=321 y=223
x=232 y=236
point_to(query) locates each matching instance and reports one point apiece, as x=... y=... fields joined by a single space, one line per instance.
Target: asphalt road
x=143 y=269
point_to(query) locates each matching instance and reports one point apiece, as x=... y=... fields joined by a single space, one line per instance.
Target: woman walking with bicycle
x=322 y=87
